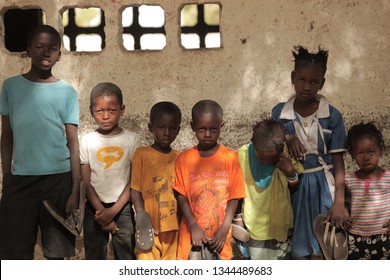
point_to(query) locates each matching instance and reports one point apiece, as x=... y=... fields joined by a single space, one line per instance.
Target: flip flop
x=144 y=234
x=74 y=223
x=323 y=236
x=240 y=233
x=333 y=242
x=340 y=251
x=243 y=248
x=203 y=252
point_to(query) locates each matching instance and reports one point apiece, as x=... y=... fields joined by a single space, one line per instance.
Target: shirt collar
x=322 y=112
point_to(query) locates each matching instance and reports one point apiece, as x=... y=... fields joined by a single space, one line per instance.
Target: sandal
x=340 y=251
x=240 y=233
x=74 y=223
x=333 y=243
x=144 y=235
x=203 y=252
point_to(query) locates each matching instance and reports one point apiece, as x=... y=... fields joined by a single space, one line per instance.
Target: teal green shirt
x=38 y=113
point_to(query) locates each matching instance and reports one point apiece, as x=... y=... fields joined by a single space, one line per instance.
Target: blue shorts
x=22 y=212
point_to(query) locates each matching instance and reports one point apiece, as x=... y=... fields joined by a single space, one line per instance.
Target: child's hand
x=105 y=216
x=285 y=165
x=337 y=216
x=387 y=227
x=198 y=236
x=72 y=203
x=219 y=239
x=110 y=227
x=296 y=149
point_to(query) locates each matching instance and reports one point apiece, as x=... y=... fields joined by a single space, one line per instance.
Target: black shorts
x=22 y=212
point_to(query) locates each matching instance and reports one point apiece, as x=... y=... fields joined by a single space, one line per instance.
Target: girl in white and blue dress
x=316 y=136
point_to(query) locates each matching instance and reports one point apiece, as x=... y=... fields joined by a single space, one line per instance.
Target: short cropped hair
x=206 y=106
x=105 y=89
x=268 y=134
x=165 y=107
x=42 y=29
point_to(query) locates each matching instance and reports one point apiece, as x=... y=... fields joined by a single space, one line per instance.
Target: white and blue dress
x=323 y=136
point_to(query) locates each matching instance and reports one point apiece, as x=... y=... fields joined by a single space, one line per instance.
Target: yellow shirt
x=267 y=213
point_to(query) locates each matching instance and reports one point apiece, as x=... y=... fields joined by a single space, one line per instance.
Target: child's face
x=366 y=153
x=106 y=111
x=307 y=81
x=267 y=156
x=44 y=51
x=207 y=128
x=165 y=129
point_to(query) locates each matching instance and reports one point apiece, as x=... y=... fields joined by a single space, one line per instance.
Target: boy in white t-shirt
x=106 y=155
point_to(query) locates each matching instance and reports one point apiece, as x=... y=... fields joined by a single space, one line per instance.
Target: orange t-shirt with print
x=208 y=184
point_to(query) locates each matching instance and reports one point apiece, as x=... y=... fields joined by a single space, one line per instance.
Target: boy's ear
x=59 y=57
x=192 y=126
x=222 y=125
x=292 y=77
x=150 y=127
x=123 y=109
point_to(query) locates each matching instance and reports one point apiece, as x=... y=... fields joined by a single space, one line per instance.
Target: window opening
x=200 y=26
x=143 y=28
x=17 y=24
x=84 y=29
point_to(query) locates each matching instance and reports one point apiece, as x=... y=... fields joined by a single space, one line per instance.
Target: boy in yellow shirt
x=151 y=187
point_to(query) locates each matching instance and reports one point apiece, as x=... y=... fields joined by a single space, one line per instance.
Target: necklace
x=306 y=121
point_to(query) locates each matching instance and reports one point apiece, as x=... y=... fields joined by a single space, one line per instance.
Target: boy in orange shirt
x=151 y=186
x=209 y=183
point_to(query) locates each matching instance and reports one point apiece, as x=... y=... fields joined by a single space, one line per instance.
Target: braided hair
x=268 y=134
x=303 y=57
x=364 y=130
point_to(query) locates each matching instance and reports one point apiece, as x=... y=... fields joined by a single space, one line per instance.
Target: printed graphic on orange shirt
x=209 y=199
x=164 y=197
x=109 y=155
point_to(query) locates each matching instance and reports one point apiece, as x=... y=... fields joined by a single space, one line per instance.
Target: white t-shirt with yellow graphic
x=109 y=157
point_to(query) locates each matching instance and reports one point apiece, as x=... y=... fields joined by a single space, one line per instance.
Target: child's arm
x=337 y=212
x=219 y=238
x=7 y=144
x=107 y=214
x=91 y=194
x=138 y=201
x=198 y=236
x=238 y=214
x=286 y=166
x=73 y=146
x=93 y=198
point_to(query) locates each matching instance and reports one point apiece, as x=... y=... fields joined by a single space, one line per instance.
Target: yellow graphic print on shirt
x=109 y=155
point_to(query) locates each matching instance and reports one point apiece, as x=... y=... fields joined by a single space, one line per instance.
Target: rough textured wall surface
x=248 y=75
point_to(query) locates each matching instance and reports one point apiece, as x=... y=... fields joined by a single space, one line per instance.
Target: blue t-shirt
x=38 y=113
